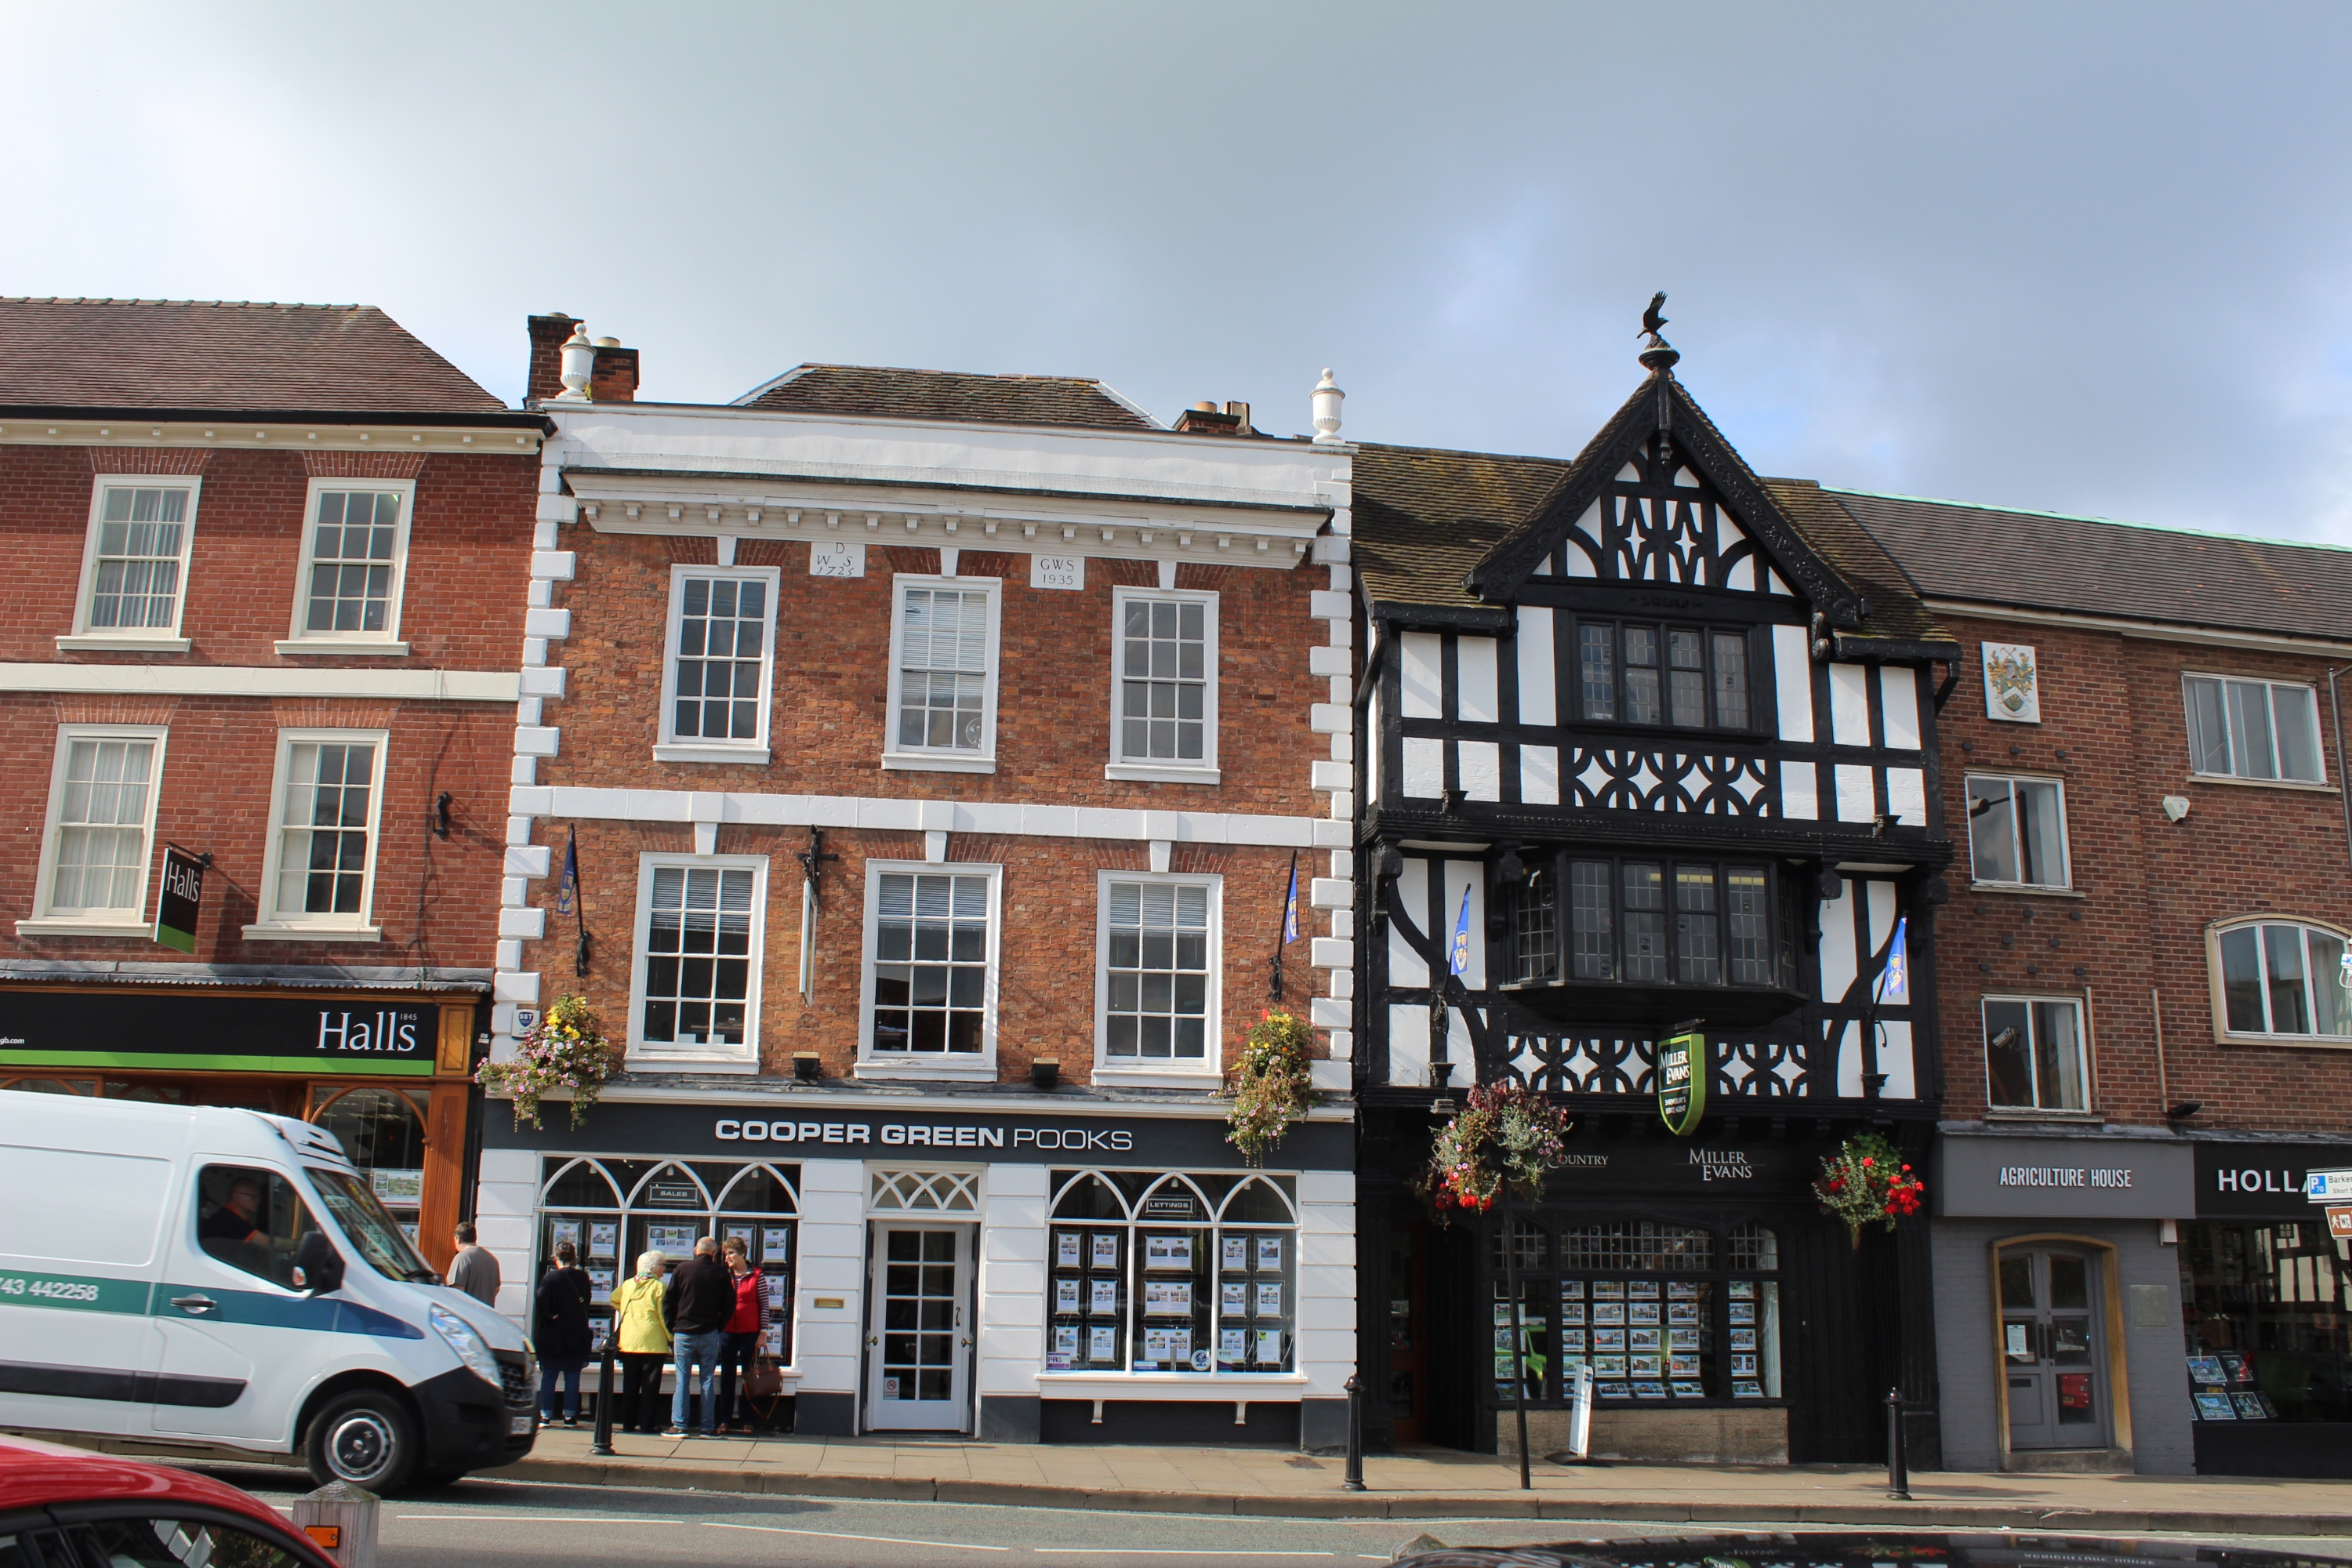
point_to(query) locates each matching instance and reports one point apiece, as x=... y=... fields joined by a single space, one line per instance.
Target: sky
x=2080 y=258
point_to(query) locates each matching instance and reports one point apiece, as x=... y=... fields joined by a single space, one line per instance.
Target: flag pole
x=1285 y=931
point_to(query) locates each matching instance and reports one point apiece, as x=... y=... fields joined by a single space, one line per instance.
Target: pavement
x=1434 y=1483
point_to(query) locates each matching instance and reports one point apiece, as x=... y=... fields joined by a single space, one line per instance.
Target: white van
x=224 y=1279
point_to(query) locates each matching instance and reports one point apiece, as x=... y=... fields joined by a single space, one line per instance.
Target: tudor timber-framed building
x=1660 y=736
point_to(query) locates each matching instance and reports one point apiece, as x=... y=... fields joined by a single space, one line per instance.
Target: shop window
x=2017 y=831
x=2279 y=978
x=1531 y=1246
x=1158 y=972
x=1753 y=1247
x=1165 y=678
x=2264 y=1312
x=717 y=679
x=1654 y=922
x=136 y=559
x=2034 y=1056
x=382 y=1134
x=318 y=880
x=353 y=557
x=942 y=696
x=922 y=1192
x=2253 y=730
x=1180 y=1273
x=1691 y=678
x=700 y=928
x=614 y=1211
x=252 y=1219
x=930 y=969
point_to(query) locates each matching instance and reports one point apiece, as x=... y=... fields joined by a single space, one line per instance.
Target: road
x=510 y=1524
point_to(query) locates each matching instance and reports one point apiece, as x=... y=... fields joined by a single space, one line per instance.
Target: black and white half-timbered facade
x=1647 y=740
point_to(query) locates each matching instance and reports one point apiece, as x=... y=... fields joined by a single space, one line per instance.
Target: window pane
x=2041 y=822
x=1641 y=691
x=1158 y=971
x=688 y=1000
x=2009 y=1060
x=942 y=656
x=2331 y=1004
x=347 y=593
x=1645 y=925
x=101 y=859
x=1166 y=640
x=2250 y=731
x=1699 y=953
x=1686 y=652
x=2058 y=1055
x=721 y=632
x=1592 y=930
x=1748 y=910
x=1992 y=830
x=1731 y=680
x=2241 y=980
x=1597 y=659
x=323 y=850
x=2294 y=712
x=933 y=1005
x=1535 y=929
x=2282 y=947
x=2208 y=732
x=135 y=578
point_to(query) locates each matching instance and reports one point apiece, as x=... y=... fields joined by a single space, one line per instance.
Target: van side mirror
x=321 y=1265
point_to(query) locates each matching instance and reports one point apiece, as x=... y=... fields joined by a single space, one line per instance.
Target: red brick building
x=269 y=564
x=2148 y=1030
x=935 y=751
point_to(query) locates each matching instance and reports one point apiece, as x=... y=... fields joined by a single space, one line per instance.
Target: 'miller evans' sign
x=65 y=1027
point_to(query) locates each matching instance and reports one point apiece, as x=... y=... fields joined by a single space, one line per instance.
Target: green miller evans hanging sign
x=1682 y=1078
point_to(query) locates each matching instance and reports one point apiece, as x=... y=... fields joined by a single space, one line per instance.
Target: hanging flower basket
x=1505 y=1133
x=566 y=1049
x=1273 y=1085
x=1866 y=1183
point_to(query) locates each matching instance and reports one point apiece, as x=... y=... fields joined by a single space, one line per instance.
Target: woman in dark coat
x=559 y=1333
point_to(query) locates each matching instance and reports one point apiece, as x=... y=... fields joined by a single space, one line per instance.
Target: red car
x=69 y=1508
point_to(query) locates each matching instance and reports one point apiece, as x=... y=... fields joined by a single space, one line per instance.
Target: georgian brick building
x=2145 y=1016
x=934 y=752
x=266 y=564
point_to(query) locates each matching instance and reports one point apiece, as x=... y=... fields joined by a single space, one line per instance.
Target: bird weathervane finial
x=1653 y=317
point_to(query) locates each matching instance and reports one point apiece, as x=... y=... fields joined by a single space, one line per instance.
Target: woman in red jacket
x=745 y=1330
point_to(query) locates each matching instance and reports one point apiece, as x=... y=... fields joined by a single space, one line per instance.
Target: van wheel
x=366 y=1439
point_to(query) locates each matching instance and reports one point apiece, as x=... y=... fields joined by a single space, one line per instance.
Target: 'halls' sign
x=180 y=900
x=65 y=1027
x=2267 y=1180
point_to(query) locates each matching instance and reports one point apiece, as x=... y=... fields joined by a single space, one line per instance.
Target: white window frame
x=913 y=1065
x=660 y=1055
x=2223 y=1033
x=1154 y=1071
x=668 y=748
x=2081 y=1032
x=84 y=638
x=940 y=760
x=385 y=642
x=2318 y=732
x=140 y=922
x=2065 y=847
x=272 y=924
x=1163 y=770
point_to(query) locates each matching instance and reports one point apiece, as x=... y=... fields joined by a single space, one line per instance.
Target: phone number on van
x=48 y=1289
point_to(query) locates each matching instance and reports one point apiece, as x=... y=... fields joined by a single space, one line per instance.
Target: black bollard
x=1898 y=1465
x=603 y=1445
x=1354 y=1481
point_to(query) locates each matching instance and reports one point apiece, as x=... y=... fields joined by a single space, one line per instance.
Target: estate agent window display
x=2264 y=1309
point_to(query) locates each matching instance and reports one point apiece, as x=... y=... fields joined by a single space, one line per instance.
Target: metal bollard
x=1898 y=1464
x=340 y=1520
x=1354 y=1481
x=603 y=1444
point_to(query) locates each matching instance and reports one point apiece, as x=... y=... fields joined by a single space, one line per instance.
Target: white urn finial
x=1327 y=398
x=579 y=365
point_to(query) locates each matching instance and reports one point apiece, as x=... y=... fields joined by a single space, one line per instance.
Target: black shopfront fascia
x=1854 y=1320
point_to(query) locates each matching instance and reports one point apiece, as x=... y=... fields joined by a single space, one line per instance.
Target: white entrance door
x=919 y=1334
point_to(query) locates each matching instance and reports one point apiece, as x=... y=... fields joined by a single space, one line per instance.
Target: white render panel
x=1799 y=791
x=1420 y=674
x=1405 y=966
x=1883 y=908
x=1894 y=1061
x=1579 y=559
x=1478 y=685
x=1535 y=656
x=1408 y=1044
x=1539 y=776
x=1372 y=745
x=1850 y=704
x=1425 y=767
x=1845 y=1049
x=1481 y=765
x=1855 y=800
x=1898 y=706
x=1467 y=877
x=1906 y=796
x=1793 y=676
x=1838 y=967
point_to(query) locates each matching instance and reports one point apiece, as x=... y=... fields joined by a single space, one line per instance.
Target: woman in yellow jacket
x=643 y=1345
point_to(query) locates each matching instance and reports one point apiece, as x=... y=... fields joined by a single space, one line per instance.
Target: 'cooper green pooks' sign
x=1682 y=1078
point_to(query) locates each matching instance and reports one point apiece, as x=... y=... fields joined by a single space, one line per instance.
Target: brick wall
x=2113 y=727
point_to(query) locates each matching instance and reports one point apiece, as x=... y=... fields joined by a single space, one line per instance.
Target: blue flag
x=1460 y=963
x=1894 y=979
x=1290 y=904
x=567 y=888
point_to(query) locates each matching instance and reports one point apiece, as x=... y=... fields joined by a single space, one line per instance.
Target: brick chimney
x=616 y=380
x=546 y=376
x=1203 y=418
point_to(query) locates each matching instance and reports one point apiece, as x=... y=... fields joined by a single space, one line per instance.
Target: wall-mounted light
x=1045 y=1072
x=441 y=814
x=1510 y=868
x=807 y=1066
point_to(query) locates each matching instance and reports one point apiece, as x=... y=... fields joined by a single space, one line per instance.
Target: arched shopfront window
x=382 y=1133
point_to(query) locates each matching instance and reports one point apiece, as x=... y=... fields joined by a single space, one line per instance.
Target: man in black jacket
x=700 y=1301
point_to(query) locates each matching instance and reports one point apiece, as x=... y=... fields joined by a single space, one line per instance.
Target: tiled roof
x=1423 y=517
x=2032 y=560
x=1895 y=611
x=218 y=356
x=880 y=392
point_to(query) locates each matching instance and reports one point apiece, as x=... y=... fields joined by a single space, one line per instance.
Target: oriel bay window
x=2277 y=978
x=1689 y=678
x=1650 y=922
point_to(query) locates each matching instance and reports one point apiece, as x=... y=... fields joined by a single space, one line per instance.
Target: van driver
x=238 y=1218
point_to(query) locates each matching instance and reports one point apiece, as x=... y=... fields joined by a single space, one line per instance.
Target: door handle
x=199 y=1305
x=873 y=1339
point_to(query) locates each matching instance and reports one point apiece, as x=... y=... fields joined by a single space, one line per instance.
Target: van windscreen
x=370 y=1225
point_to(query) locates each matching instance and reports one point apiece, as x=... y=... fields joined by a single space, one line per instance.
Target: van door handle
x=199 y=1305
